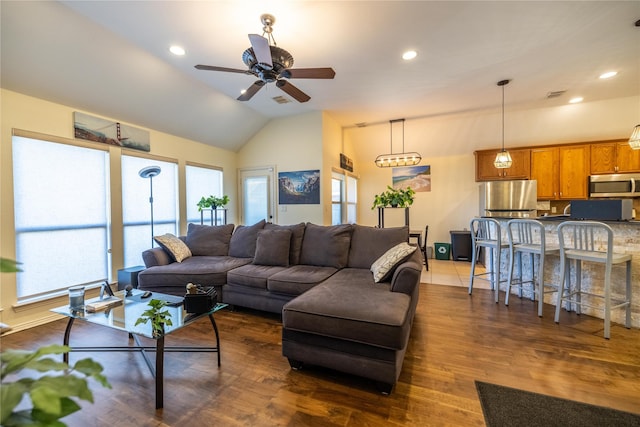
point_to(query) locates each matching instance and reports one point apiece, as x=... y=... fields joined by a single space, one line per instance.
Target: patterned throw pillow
x=178 y=250
x=383 y=267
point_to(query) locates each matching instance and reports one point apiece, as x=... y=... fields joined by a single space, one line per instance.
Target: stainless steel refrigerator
x=513 y=199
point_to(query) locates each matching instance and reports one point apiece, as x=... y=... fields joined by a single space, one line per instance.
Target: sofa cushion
x=297 y=234
x=326 y=245
x=252 y=276
x=176 y=248
x=383 y=267
x=209 y=240
x=350 y=307
x=298 y=279
x=369 y=243
x=272 y=247
x=243 y=240
x=202 y=270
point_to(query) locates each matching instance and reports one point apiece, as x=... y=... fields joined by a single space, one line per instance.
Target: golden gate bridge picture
x=96 y=129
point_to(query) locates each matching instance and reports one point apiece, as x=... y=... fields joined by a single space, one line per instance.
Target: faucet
x=567 y=209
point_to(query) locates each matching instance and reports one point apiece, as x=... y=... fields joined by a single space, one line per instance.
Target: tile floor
x=452 y=273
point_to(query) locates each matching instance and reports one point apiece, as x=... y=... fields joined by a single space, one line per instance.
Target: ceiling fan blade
x=293 y=91
x=261 y=48
x=253 y=89
x=309 y=73
x=228 y=70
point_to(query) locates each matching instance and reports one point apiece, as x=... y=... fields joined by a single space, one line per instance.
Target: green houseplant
x=158 y=315
x=396 y=198
x=51 y=396
x=212 y=202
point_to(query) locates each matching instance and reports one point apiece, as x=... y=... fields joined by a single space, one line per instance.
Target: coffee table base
x=159 y=349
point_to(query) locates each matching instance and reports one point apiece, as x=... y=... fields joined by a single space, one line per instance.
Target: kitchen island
x=626 y=240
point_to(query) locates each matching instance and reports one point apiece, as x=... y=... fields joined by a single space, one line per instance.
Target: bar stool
x=527 y=236
x=486 y=233
x=591 y=241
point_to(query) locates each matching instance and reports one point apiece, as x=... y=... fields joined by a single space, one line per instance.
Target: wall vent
x=281 y=100
x=555 y=94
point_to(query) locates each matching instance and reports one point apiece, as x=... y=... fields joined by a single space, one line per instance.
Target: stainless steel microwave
x=614 y=185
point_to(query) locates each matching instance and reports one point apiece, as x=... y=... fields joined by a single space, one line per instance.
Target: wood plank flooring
x=456 y=339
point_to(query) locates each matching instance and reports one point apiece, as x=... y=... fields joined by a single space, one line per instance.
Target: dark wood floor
x=456 y=339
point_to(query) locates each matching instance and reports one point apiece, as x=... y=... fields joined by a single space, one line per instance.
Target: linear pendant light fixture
x=634 y=141
x=399 y=159
x=503 y=158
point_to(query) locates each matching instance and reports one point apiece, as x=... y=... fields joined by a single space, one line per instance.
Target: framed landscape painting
x=416 y=177
x=299 y=188
x=109 y=132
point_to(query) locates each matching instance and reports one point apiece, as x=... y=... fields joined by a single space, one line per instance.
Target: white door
x=257 y=195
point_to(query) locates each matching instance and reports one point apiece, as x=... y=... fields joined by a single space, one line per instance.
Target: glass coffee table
x=123 y=317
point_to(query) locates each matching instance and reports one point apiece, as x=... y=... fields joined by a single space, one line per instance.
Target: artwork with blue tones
x=299 y=188
x=109 y=132
x=416 y=177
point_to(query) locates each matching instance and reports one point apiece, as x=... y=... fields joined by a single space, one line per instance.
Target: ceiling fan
x=271 y=63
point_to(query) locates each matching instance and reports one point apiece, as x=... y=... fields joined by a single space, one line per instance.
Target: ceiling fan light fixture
x=392 y=160
x=634 y=141
x=503 y=158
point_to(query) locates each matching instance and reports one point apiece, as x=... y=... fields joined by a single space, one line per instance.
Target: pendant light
x=634 y=141
x=503 y=158
x=399 y=159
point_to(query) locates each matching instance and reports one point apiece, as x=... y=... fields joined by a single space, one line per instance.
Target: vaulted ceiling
x=112 y=58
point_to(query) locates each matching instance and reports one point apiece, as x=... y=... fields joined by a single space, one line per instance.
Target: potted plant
x=51 y=396
x=212 y=202
x=395 y=198
x=157 y=316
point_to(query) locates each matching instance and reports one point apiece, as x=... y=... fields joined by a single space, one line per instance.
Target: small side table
x=129 y=276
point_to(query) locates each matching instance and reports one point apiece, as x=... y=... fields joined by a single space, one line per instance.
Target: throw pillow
x=209 y=240
x=383 y=267
x=297 y=233
x=272 y=247
x=369 y=243
x=243 y=240
x=326 y=245
x=176 y=247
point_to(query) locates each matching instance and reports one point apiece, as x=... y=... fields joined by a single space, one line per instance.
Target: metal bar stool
x=591 y=241
x=527 y=236
x=486 y=233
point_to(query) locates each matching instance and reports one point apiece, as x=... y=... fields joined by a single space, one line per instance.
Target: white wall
x=37 y=115
x=447 y=144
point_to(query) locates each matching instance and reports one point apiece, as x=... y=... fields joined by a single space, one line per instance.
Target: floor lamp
x=150 y=172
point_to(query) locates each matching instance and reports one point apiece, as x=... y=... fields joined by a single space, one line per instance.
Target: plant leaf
x=10 y=396
x=9 y=266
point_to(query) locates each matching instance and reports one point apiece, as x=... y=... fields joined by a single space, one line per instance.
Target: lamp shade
x=634 y=141
x=503 y=160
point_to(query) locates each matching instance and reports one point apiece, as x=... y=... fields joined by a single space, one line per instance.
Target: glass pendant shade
x=503 y=160
x=634 y=141
x=392 y=160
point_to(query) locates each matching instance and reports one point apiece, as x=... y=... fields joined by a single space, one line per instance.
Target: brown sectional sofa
x=319 y=278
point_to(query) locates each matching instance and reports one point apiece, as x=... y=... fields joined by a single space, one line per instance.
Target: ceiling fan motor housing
x=280 y=58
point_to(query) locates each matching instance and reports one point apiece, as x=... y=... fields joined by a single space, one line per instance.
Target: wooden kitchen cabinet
x=614 y=157
x=486 y=171
x=561 y=172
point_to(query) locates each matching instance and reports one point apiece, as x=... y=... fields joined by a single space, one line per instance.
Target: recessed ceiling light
x=410 y=54
x=576 y=100
x=177 y=50
x=608 y=74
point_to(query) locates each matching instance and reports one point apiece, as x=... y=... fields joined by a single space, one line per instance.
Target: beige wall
x=35 y=115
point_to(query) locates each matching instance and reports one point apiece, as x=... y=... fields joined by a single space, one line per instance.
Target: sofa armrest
x=155 y=256
x=407 y=275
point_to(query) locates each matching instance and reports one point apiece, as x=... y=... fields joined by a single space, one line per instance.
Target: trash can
x=443 y=250
x=461 y=245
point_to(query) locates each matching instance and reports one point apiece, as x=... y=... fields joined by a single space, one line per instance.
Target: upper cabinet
x=562 y=172
x=486 y=171
x=614 y=157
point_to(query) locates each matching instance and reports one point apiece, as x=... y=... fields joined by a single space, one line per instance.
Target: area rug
x=505 y=406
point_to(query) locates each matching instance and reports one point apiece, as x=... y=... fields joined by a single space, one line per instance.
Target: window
x=61 y=200
x=202 y=181
x=137 y=208
x=344 y=198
